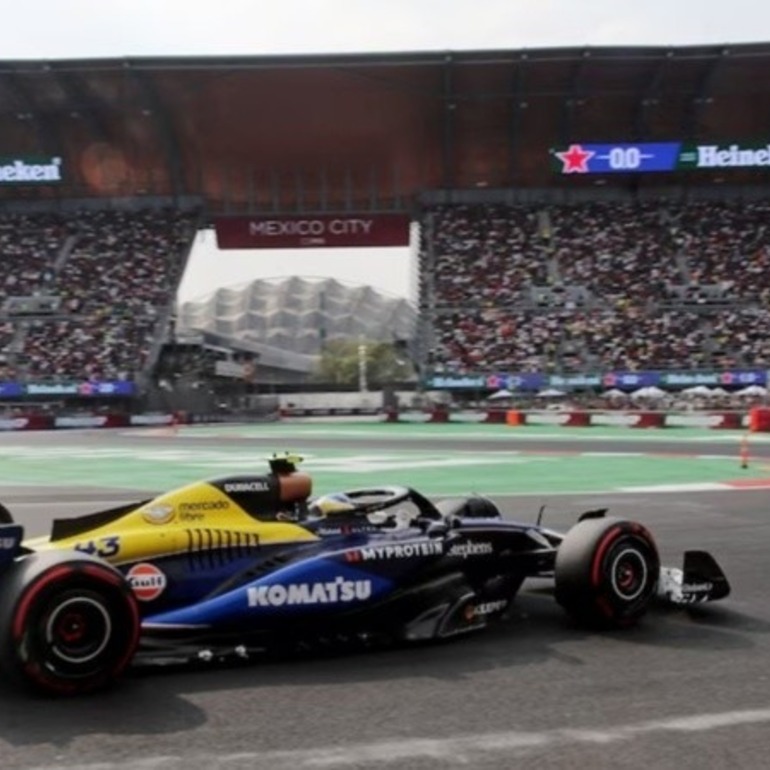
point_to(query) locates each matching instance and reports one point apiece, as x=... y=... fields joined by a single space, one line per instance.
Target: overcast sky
x=83 y=28
x=54 y=29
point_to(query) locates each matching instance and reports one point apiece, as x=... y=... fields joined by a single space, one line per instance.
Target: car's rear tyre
x=69 y=624
x=606 y=572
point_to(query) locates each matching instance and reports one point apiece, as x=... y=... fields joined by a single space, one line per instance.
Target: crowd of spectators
x=740 y=337
x=645 y=249
x=645 y=268
x=642 y=270
x=7 y=332
x=6 y=336
x=629 y=338
x=728 y=244
x=527 y=341
x=115 y=279
x=485 y=254
x=28 y=249
x=485 y=338
x=616 y=250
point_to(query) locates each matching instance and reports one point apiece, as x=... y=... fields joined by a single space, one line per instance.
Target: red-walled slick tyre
x=606 y=572
x=69 y=623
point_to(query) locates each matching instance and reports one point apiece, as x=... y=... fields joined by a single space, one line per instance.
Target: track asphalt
x=683 y=690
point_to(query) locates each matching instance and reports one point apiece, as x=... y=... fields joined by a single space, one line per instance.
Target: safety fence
x=755 y=419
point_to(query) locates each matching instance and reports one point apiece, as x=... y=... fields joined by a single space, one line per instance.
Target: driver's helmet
x=331 y=505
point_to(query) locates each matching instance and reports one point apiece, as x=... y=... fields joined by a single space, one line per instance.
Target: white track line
x=701 y=486
x=614 y=454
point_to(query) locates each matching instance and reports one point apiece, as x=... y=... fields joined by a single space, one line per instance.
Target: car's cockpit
x=285 y=494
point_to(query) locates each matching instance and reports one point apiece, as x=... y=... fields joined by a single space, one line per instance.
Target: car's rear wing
x=11 y=536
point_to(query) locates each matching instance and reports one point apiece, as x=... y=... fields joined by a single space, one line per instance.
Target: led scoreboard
x=625 y=158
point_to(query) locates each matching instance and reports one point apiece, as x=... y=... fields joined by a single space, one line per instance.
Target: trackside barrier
x=113 y=420
x=498 y=416
x=630 y=419
x=570 y=419
x=153 y=419
x=48 y=422
x=288 y=411
x=26 y=422
x=391 y=415
x=585 y=418
x=759 y=419
x=717 y=420
x=439 y=414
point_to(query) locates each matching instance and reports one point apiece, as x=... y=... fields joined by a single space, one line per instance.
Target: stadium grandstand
x=584 y=214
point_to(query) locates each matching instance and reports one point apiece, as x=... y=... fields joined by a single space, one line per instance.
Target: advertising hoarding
x=312 y=231
x=630 y=381
x=644 y=157
x=107 y=388
x=30 y=170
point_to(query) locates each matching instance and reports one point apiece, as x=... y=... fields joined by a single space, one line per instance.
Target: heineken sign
x=17 y=170
x=734 y=156
x=644 y=157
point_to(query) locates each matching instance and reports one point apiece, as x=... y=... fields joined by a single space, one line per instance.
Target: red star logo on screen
x=575 y=159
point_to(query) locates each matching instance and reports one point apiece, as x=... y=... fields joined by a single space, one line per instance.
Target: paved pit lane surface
x=683 y=690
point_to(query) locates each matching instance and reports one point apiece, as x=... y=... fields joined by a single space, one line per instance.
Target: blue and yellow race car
x=239 y=565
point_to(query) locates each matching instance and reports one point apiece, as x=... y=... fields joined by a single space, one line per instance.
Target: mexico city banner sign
x=15 y=170
x=312 y=231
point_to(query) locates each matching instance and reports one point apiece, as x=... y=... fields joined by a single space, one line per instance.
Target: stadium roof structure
x=298 y=315
x=367 y=131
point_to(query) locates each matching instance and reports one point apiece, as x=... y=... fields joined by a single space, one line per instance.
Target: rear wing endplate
x=11 y=536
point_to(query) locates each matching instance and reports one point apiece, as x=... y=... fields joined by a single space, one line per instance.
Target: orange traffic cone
x=744 y=453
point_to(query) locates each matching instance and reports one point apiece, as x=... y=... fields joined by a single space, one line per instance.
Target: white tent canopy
x=500 y=394
x=753 y=390
x=551 y=393
x=650 y=392
x=697 y=390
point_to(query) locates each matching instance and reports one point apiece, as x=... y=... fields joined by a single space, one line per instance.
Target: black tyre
x=69 y=623
x=606 y=572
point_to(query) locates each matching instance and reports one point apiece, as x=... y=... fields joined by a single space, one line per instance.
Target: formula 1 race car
x=237 y=565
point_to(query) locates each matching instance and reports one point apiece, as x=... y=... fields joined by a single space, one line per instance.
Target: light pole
x=362 y=366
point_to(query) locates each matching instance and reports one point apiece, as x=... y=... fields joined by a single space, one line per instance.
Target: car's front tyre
x=606 y=572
